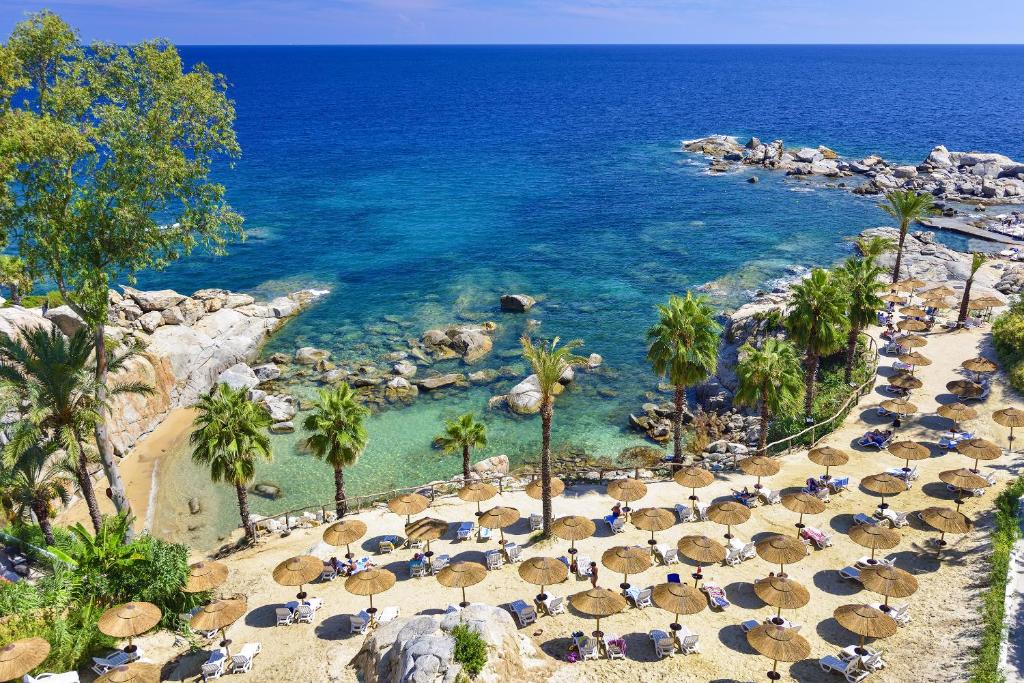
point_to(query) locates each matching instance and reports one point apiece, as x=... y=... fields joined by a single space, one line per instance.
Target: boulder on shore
x=309 y=355
x=66 y=320
x=239 y=376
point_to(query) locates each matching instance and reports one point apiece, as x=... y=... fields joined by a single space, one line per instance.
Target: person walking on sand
x=593 y=574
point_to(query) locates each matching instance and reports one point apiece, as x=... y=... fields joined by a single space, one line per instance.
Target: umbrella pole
x=224 y=642
x=1010 y=441
x=465 y=602
x=774 y=674
x=728 y=531
x=348 y=551
x=693 y=492
x=872 y=556
x=652 y=543
x=800 y=525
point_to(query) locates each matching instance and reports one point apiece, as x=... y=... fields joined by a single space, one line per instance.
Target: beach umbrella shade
x=892 y=582
x=370 y=582
x=907 y=382
x=136 y=672
x=217 y=616
x=543 y=571
x=865 y=621
x=729 y=513
x=916 y=359
x=345 y=532
x=462 y=575
x=874 y=537
x=625 y=560
x=941 y=291
x=1009 y=417
x=965 y=388
x=781 y=593
x=912 y=325
x=477 y=492
x=907 y=451
x=205 y=576
x=599 y=603
x=759 y=466
x=828 y=456
x=986 y=302
x=129 y=620
x=883 y=484
x=653 y=520
x=899 y=406
x=427 y=529
x=964 y=479
x=298 y=571
x=957 y=412
x=912 y=341
x=535 y=489
x=702 y=550
x=693 y=478
x=626 y=491
x=913 y=311
x=781 y=550
x=936 y=302
x=908 y=285
x=779 y=645
x=979 y=364
x=408 y=504
x=678 y=598
x=803 y=504
x=21 y=656
x=499 y=518
x=945 y=521
x=573 y=528
x=893 y=299
x=979 y=449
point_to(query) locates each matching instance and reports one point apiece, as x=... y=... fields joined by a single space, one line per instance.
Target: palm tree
x=337 y=435
x=765 y=323
x=817 y=324
x=463 y=434
x=54 y=376
x=977 y=261
x=683 y=347
x=873 y=247
x=230 y=437
x=550 y=362
x=34 y=480
x=860 y=278
x=770 y=378
x=906 y=206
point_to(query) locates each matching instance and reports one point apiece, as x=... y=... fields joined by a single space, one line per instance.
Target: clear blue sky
x=538 y=21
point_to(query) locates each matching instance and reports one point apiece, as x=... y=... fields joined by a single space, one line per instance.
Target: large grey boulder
x=15 y=320
x=471 y=345
x=281 y=408
x=150 y=321
x=525 y=397
x=309 y=355
x=808 y=155
x=66 y=320
x=517 y=303
x=440 y=381
x=267 y=372
x=156 y=300
x=239 y=376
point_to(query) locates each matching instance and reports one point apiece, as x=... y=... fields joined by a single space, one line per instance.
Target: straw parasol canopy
x=892 y=582
x=1009 y=417
x=477 y=492
x=426 y=529
x=535 y=489
x=913 y=311
x=653 y=519
x=573 y=528
x=803 y=504
x=728 y=512
x=778 y=644
x=543 y=571
x=625 y=560
x=678 y=598
x=941 y=291
x=598 y=602
x=462 y=575
x=129 y=620
x=946 y=520
x=957 y=412
x=965 y=388
x=759 y=466
x=979 y=449
x=693 y=478
x=899 y=406
x=702 y=550
x=937 y=302
x=21 y=656
x=828 y=456
x=345 y=532
x=498 y=518
x=865 y=621
x=218 y=615
x=205 y=576
x=370 y=582
x=298 y=571
x=979 y=364
x=905 y=381
x=911 y=325
x=136 y=672
x=963 y=478
x=915 y=358
x=910 y=284
x=912 y=341
x=781 y=550
x=627 y=490
x=874 y=537
x=781 y=593
x=987 y=301
x=907 y=451
x=408 y=504
x=883 y=484
x=893 y=299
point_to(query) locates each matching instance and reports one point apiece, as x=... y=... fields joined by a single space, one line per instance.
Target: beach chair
x=102 y=665
x=304 y=614
x=640 y=598
x=716 y=596
x=417 y=568
x=439 y=563
x=328 y=574
x=690 y=644
x=587 y=648
x=683 y=512
x=750 y=500
x=452 y=609
x=513 y=552
x=673 y=578
x=862 y=519
x=215 y=666
x=614 y=647
x=69 y=677
x=900 y=614
x=896 y=519
x=874 y=442
x=494 y=559
x=464 y=530
x=359 y=623
x=386 y=546
x=733 y=556
x=850 y=574
x=665 y=554
x=388 y=614
x=483 y=534
x=554 y=605
x=536 y=522
x=820 y=539
x=617 y=525
x=284 y=616
x=872 y=661
x=583 y=566
x=839 y=484
x=662 y=643
x=851 y=669
x=523 y=613
x=768 y=496
x=749 y=551
x=749 y=625
x=242 y=662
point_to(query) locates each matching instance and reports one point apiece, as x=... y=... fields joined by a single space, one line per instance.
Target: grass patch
x=36 y=300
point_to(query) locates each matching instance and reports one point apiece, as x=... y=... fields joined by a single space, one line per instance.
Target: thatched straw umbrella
x=828 y=456
x=963 y=479
x=979 y=365
x=979 y=449
x=905 y=381
x=653 y=519
x=535 y=489
x=865 y=621
x=205 y=576
x=626 y=491
x=912 y=325
x=702 y=550
x=913 y=311
x=693 y=478
x=345 y=533
x=729 y=513
x=781 y=550
x=893 y=299
x=129 y=620
x=941 y=291
x=957 y=412
x=779 y=645
x=936 y=302
x=408 y=504
x=462 y=575
x=899 y=406
x=883 y=484
x=678 y=598
x=427 y=529
x=892 y=582
x=915 y=360
x=907 y=451
x=499 y=518
x=543 y=571
x=986 y=302
x=913 y=341
x=965 y=388
x=477 y=492
x=217 y=616
x=573 y=528
x=803 y=504
x=759 y=466
x=908 y=285
x=945 y=521
x=874 y=537
x=781 y=593
x=1009 y=417
x=298 y=571
x=21 y=656
x=626 y=561
x=598 y=602
x=370 y=582
x=136 y=672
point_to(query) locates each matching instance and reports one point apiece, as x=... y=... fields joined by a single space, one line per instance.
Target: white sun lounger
x=387 y=614
x=242 y=662
x=611 y=647
x=850 y=574
x=861 y=518
x=216 y=665
x=690 y=644
x=284 y=616
x=716 y=596
x=583 y=566
x=554 y=605
x=359 y=623
x=663 y=644
x=851 y=670
x=464 y=531
x=536 y=522
x=69 y=677
x=895 y=519
x=523 y=613
x=102 y=665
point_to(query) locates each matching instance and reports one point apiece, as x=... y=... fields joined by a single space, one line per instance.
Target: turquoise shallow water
x=419 y=184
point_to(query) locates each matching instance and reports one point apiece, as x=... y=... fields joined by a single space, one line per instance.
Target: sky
x=536 y=21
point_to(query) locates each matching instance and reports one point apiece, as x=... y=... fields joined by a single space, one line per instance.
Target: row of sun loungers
x=360 y=623
x=114 y=659
x=239 y=663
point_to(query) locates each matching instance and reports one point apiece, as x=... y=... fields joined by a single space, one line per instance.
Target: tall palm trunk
x=42 y=512
x=547 y=410
x=851 y=353
x=106 y=448
x=965 y=302
x=899 y=252
x=243 y=511
x=811 y=370
x=86 y=487
x=762 y=438
x=677 y=424
x=465 y=462
x=340 y=499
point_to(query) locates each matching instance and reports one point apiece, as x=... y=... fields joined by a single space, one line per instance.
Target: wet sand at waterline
x=936 y=646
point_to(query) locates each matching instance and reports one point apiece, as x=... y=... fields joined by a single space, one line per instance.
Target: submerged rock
x=517 y=303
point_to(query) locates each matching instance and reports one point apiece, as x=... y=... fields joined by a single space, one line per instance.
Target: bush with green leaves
x=1008 y=338
x=470 y=649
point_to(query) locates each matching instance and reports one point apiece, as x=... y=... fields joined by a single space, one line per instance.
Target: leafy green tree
x=684 y=348
x=550 y=362
x=906 y=206
x=977 y=261
x=817 y=324
x=54 y=377
x=109 y=151
x=35 y=478
x=463 y=434
x=15 y=277
x=861 y=279
x=337 y=434
x=230 y=437
x=770 y=379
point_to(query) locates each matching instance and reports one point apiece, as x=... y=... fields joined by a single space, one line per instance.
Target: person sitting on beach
x=616 y=511
x=889 y=332
x=593 y=574
x=335 y=565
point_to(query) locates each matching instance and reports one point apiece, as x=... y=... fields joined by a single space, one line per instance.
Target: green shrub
x=36 y=300
x=1008 y=338
x=470 y=649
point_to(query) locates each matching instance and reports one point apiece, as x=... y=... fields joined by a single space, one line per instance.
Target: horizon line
x=969 y=45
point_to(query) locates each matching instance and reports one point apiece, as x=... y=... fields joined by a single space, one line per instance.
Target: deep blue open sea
x=419 y=183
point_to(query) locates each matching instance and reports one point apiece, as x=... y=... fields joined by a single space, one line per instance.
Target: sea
x=419 y=183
